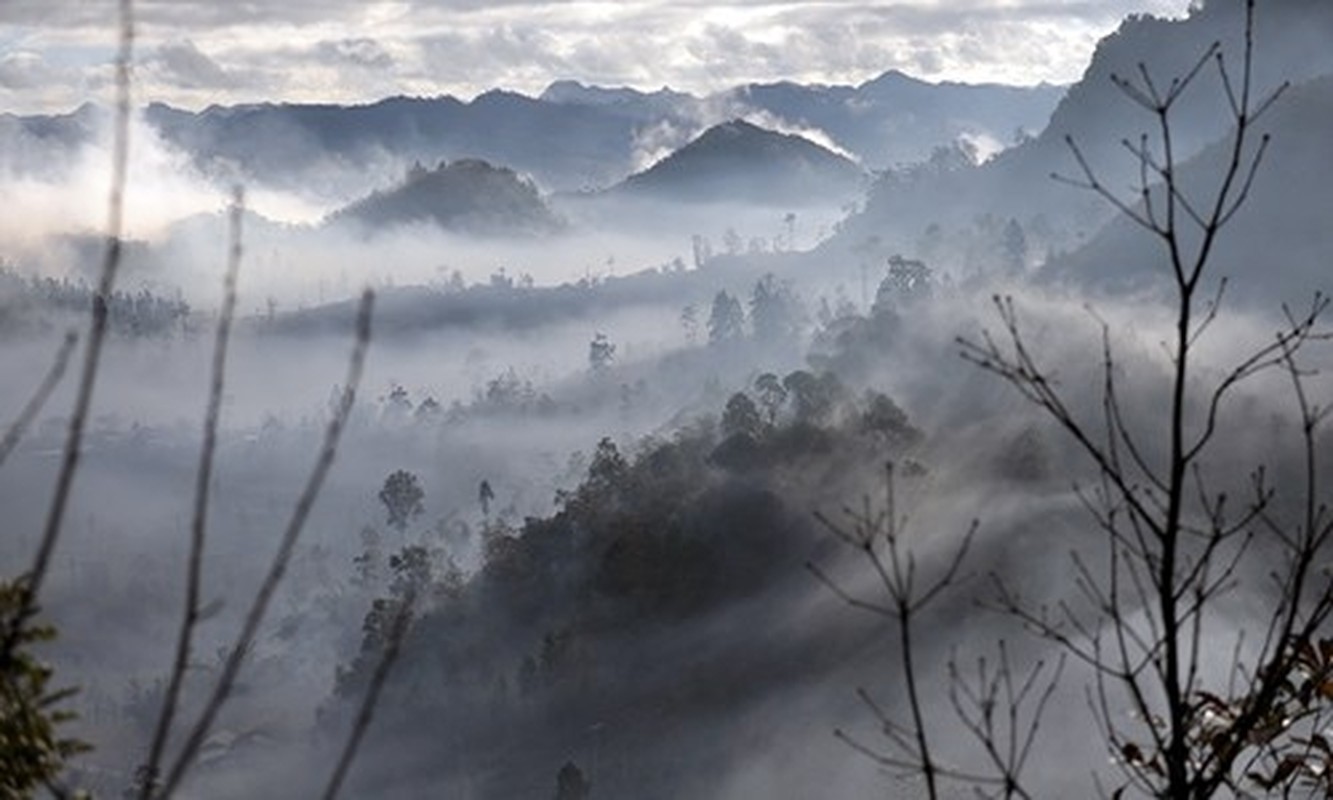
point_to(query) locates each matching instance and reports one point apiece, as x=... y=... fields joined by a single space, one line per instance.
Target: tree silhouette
x=726 y=322
x=402 y=495
x=741 y=416
x=772 y=394
x=1174 y=547
x=570 y=783
x=485 y=496
x=601 y=352
x=773 y=310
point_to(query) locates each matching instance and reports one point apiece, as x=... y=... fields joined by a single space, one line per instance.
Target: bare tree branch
x=278 y=566
x=398 y=630
x=203 y=485
x=19 y=427
x=73 y=450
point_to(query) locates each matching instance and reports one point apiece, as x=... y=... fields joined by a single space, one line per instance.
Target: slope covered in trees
x=594 y=616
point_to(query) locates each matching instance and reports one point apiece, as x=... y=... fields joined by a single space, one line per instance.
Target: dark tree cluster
x=782 y=421
x=542 y=640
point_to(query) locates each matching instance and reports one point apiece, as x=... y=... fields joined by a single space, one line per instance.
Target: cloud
x=24 y=70
x=344 y=51
x=185 y=65
x=361 y=52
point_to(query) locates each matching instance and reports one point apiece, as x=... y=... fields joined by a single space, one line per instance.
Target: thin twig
x=203 y=484
x=278 y=567
x=73 y=450
x=19 y=427
x=397 y=633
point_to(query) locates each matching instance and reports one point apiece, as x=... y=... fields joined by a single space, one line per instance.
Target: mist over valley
x=783 y=437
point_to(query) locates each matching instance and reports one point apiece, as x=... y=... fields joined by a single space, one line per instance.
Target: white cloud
x=196 y=52
x=183 y=64
x=24 y=69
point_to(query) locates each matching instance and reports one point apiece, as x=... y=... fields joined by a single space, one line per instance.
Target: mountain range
x=733 y=163
x=1291 y=44
x=571 y=137
x=759 y=145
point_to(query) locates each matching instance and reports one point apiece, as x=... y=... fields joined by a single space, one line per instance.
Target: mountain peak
x=737 y=160
x=893 y=78
x=734 y=128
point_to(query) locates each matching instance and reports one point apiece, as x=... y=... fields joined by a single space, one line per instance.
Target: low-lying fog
x=591 y=452
x=296 y=256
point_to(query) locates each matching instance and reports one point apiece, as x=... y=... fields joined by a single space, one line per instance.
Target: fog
x=627 y=406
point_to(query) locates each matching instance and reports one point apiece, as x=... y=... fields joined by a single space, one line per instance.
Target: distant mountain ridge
x=895 y=118
x=300 y=144
x=40 y=144
x=574 y=137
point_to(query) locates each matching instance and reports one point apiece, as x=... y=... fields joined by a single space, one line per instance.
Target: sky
x=56 y=54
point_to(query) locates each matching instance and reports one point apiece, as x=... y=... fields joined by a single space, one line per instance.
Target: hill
x=740 y=162
x=466 y=196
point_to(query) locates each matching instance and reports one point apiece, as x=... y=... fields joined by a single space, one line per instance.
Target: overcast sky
x=55 y=54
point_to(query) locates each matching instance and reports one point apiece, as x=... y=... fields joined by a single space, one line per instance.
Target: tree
x=772 y=394
x=412 y=572
x=402 y=496
x=702 y=249
x=814 y=397
x=428 y=410
x=500 y=280
x=741 y=416
x=726 y=322
x=773 y=310
x=689 y=320
x=485 y=496
x=1173 y=547
x=608 y=469
x=879 y=534
x=601 y=352
x=570 y=783
x=367 y=565
x=397 y=405
x=883 y=417
x=32 y=754
x=907 y=280
x=1148 y=610
x=507 y=391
